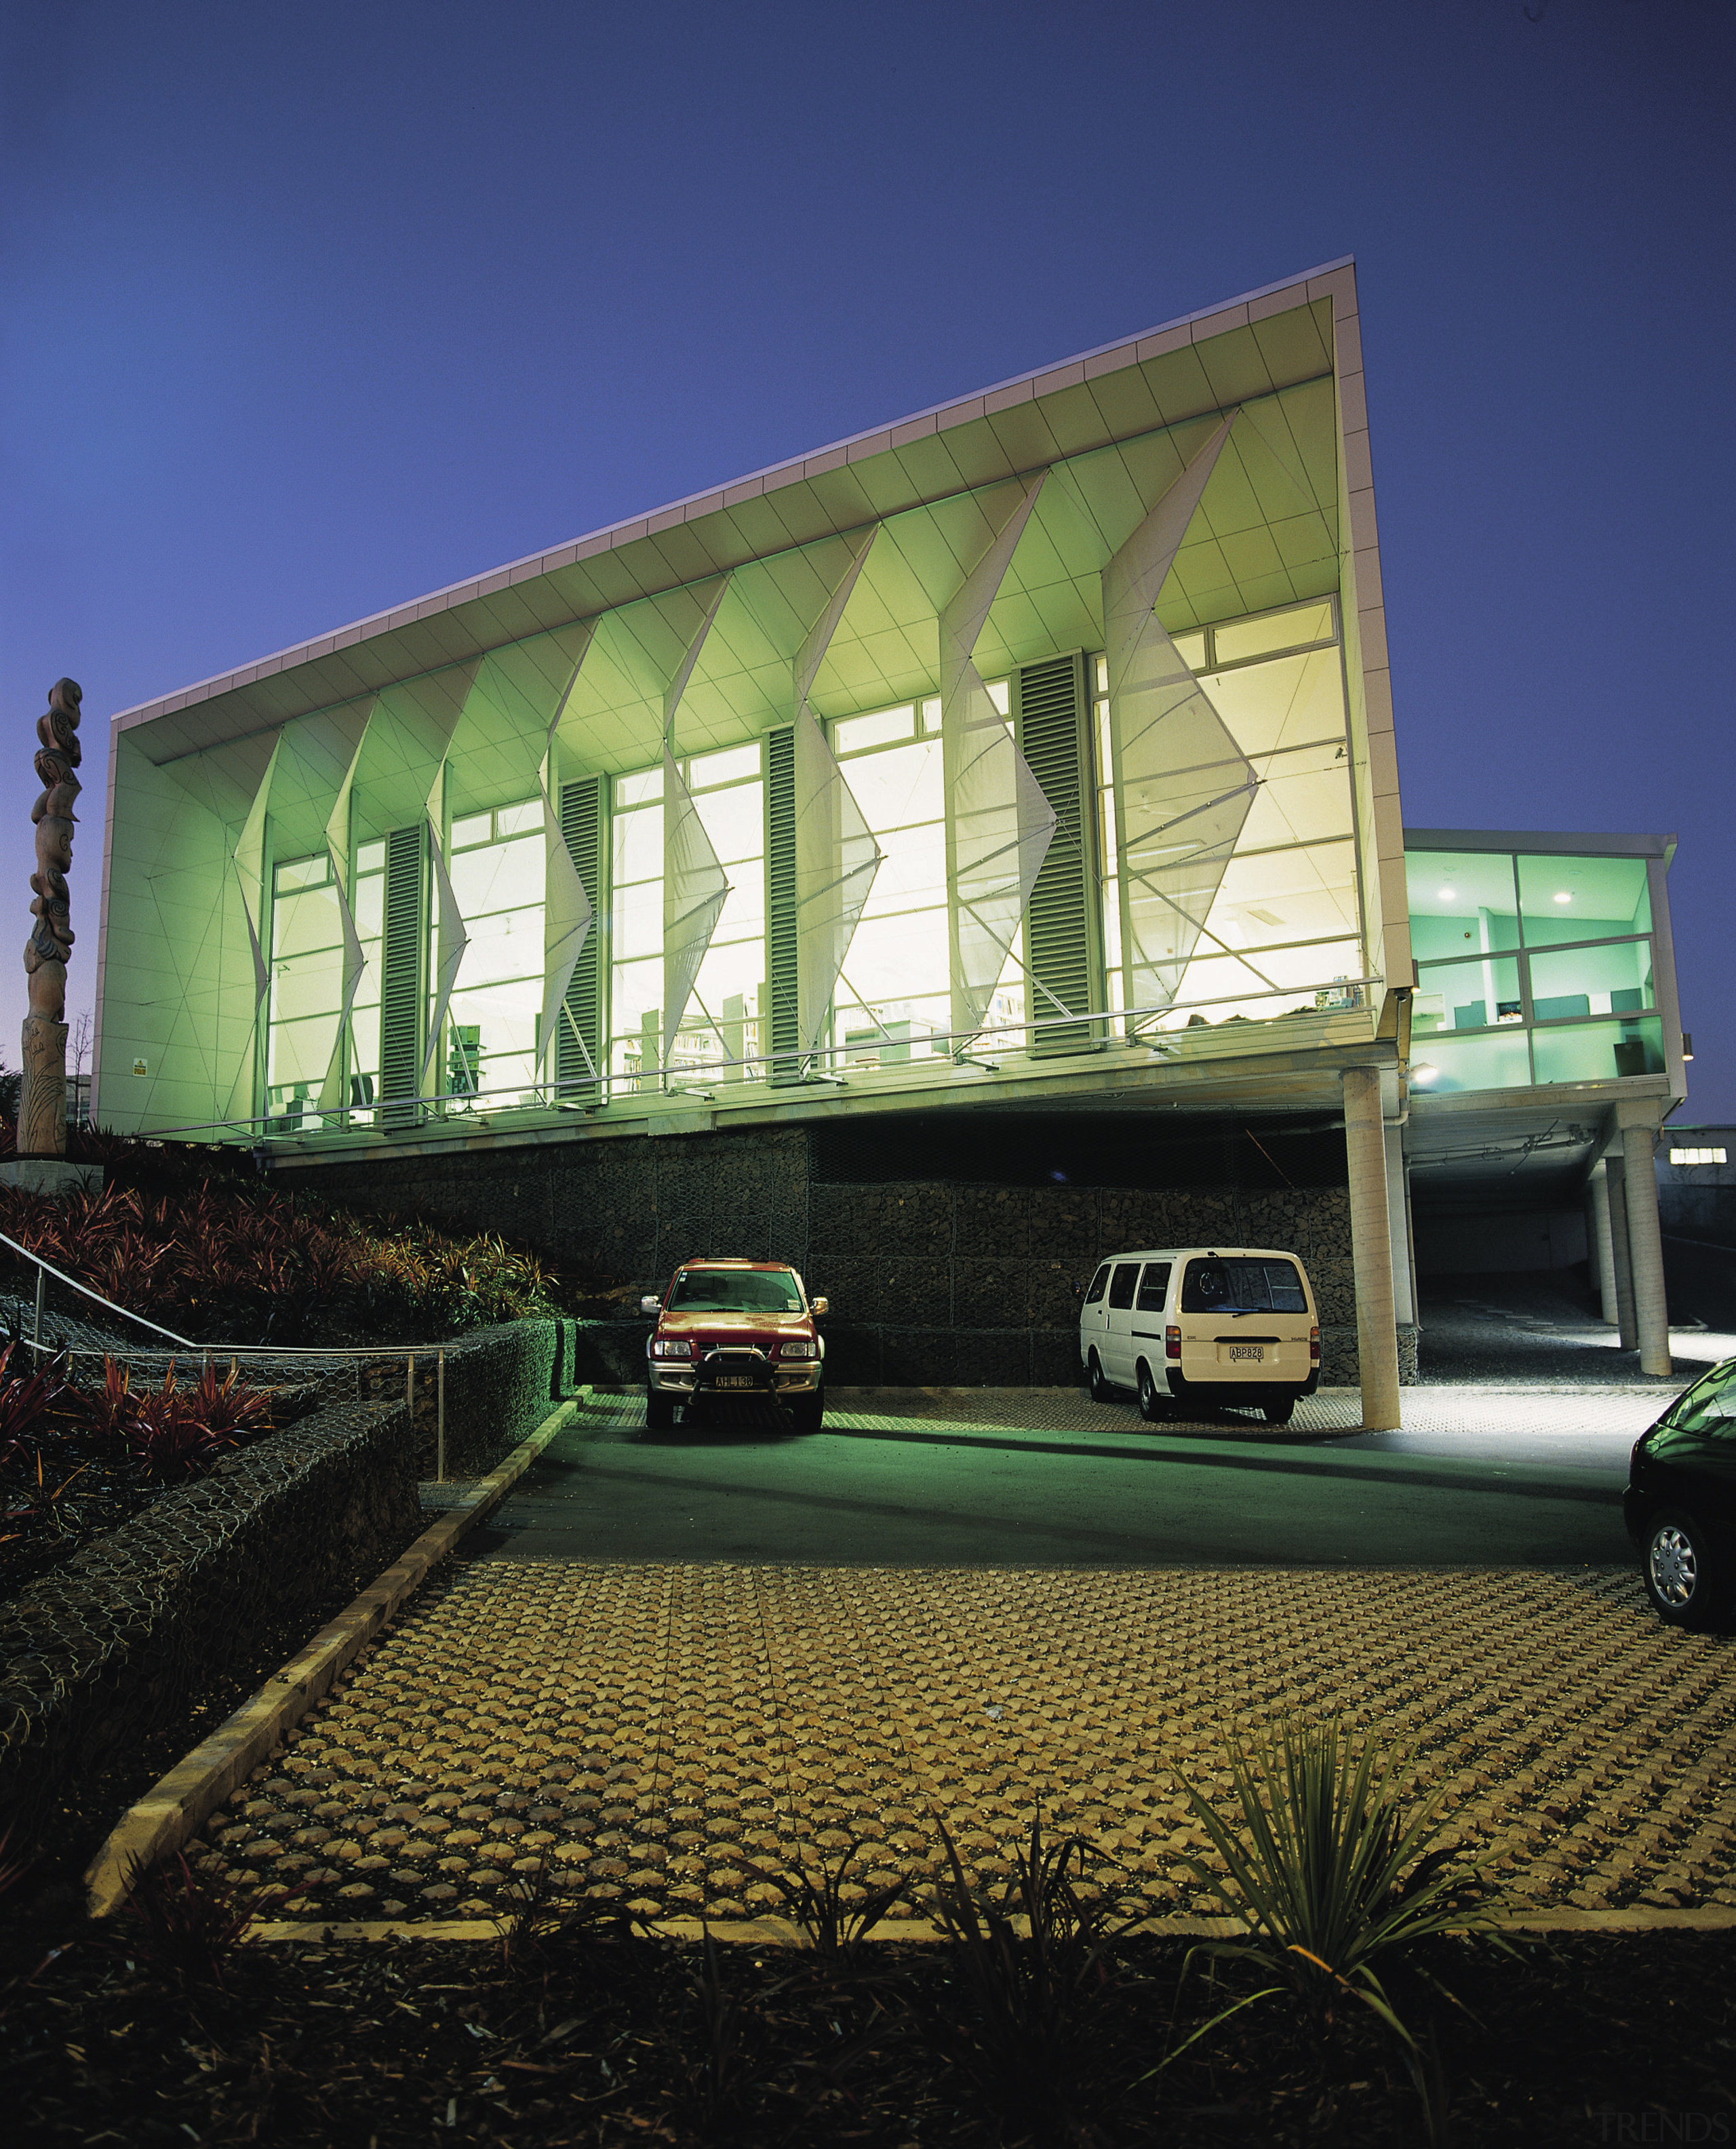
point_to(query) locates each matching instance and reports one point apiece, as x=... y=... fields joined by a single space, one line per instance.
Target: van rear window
x=1242 y=1285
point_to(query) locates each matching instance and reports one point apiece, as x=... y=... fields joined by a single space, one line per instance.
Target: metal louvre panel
x=581 y=830
x=401 y=981
x=781 y=915
x=1060 y=951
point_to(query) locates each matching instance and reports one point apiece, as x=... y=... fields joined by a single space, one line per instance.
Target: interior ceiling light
x=1447 y=894
x=1422 y=1072
x=1562 y=895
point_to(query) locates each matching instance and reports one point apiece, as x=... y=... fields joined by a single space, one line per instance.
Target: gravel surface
x=655 y=1730
x=1530 y=1331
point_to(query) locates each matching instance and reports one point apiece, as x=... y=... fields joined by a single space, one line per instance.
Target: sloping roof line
x=1040 y=379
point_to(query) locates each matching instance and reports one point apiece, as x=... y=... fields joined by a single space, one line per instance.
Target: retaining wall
x=499 y=1383
x=117 y=1645
x=932 y=1282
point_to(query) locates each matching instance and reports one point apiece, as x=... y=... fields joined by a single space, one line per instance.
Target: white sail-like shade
x=566 y=926
x=450 y=940
x=249 y=859
x=1000 y=827
x=694 y=893
x=837 y=859
x=1183 y=786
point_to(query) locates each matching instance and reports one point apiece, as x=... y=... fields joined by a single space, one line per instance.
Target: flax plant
x=1330 y=1872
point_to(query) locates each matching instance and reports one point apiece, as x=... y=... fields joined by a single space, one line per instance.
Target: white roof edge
x=602 y=539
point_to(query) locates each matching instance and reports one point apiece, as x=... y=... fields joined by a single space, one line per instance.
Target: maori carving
x=41 y=1106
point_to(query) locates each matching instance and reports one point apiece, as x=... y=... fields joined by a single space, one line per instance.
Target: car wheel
x=659 y=1412
x=808 y=1414
x=1281 y=1413
x=1679 y=1570
x=1095 y=1381
x=1152 y=1403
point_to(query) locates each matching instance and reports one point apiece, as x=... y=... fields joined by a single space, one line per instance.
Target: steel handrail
x=410 y=1352
x=217 y=1350
x=414 y=1108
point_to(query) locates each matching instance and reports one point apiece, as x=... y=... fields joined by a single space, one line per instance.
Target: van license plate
x=1253 y=1351
x=747 y=1380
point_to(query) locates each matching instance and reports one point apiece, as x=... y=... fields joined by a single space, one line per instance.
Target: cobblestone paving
x=648 y=1729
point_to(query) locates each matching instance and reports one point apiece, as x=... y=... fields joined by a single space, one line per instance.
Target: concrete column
x=1404 y=1307
x=1364 y=1148
x=1645 y=1250
x=1615 y=1177
x=1603 y=1245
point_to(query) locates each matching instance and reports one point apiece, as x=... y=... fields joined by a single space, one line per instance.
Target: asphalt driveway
x=877 y=1491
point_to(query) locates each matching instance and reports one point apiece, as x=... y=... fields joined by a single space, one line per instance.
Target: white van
x=1217 y=1327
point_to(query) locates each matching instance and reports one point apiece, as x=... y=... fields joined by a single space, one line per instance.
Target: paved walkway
x=653 y=1729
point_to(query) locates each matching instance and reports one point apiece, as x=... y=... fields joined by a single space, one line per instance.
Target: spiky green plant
x=835 y=1927
x=1031 y=1972
x=1330 y=1871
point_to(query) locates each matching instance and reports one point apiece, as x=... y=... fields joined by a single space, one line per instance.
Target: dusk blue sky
x=308 y=309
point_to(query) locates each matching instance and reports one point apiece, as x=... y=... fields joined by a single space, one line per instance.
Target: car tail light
x=1314 y=1347
x=670 y=1347
x=1172 y=1343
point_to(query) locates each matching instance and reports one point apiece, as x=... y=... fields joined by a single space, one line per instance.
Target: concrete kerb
x=180 y=1802
x=780 y=1932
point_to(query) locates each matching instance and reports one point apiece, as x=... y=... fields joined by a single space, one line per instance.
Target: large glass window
x=1540 y=944
x=1287 y=914
x=497 y=866
x=722 y=1028
x=894 y=992
x=1587 y=898
x=307 y=984
x=636 y=926
x=367 y=903
x=722 y=1031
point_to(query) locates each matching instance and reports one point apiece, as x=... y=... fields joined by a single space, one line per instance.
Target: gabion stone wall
x=932 y=1283
x=500 y=1383
x=120 y=1642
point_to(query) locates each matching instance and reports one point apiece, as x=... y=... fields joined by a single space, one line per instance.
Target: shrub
x=175 y=1433
x=186 y=1926
x=27 y=1393
x=1329 y=1874
x=230 y=1259
x=1026 y=2035
x=834 y=1927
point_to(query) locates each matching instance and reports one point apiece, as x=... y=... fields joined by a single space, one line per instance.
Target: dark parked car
x=1680 y=1505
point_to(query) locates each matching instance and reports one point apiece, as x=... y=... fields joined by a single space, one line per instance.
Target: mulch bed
x=597 y=2035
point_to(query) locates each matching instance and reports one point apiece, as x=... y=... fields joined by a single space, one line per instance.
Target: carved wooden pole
x=42 y=1104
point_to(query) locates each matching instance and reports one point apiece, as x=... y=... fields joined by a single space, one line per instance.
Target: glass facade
x=1555 y=950
x=1285 y=921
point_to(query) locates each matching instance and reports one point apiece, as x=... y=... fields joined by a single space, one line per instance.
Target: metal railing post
x=36 y=1332
x=439 y=1416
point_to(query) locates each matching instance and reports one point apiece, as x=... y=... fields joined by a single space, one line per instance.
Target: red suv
x=734 y=1330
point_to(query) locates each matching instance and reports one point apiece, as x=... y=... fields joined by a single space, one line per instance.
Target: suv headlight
x=670 y=1347
x=796 y=1346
